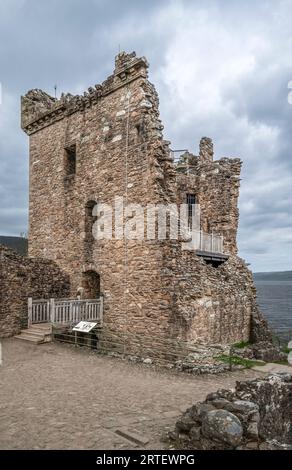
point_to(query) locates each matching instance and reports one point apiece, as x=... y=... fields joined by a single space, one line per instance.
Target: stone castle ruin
x=108 y=143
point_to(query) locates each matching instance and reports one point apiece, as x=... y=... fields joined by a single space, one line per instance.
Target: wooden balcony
x=207 y=245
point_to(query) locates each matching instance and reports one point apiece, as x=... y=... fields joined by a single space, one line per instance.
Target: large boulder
x=222 y=426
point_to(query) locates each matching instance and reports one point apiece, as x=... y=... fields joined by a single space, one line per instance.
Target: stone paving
x=54 y=396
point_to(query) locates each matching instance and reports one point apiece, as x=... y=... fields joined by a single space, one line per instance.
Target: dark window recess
x=91 y=284
x=89 y=238
x=191 y=201
x=70 y=160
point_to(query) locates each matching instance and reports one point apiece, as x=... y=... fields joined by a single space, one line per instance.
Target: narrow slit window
x=191 y=201
x=70 y=160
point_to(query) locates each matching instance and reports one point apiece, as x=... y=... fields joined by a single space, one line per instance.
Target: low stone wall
x=193 y=358
x=20 y=278
x=256 y=415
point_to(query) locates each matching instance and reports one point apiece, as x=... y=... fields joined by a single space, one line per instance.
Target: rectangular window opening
x=70 y=160
x=191 y=201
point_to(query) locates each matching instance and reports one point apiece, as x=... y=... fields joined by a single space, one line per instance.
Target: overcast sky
x=221 y=68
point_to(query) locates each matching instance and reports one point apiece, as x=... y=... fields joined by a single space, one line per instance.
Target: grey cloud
x=73 y=43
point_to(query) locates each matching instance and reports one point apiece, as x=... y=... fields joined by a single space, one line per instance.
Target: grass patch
x=286 y=350
x=241 y=344
x=236 y=360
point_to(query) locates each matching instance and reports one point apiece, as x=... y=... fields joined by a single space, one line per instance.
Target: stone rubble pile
x=256 y=415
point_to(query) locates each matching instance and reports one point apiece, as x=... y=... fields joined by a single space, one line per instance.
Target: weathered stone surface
x=21 y=278
x=185 y=424
x=223 y=426
x=274 y=399
x=257 y=414
x=266 y=351
x=252 y=431
x=151 y=288
x=220 y=403
x=195 y=433
x=199 y=410
x=241 y=406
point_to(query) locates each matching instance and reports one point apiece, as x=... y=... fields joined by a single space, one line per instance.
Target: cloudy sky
x=221 y=68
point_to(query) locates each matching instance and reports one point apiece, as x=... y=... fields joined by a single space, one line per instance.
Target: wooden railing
x=202 y=241
x=208 y=242
x=65 y=311
x=38 y=311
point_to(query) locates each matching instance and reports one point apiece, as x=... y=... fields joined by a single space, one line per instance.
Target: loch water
x=275 y=301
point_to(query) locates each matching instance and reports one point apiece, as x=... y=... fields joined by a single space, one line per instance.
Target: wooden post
x=70 y=311
x=29 y=307
x=52 y=311
x=212 y=242
x=48 y=312
x=101 y=310
x=86 y=311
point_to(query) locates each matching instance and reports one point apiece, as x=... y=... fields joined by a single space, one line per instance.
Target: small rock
x=212 y=396
x=224 y=393
x=254 y=417
x=252 y=431
x=134 y=358
x=266 y=446
x=223 y=426
x=173 y=435
x=242 y=406
x=198 y=411
x=253 y=445
x=195 y=433
x=285 y=376
x=220 y=403
x=185 y=423
x=147 y=360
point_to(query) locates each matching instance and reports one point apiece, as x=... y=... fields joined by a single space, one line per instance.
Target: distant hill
x=18 y=244
x=273 y=276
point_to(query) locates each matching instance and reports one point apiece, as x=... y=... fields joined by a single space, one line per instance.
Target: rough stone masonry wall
x=21 y=278
x=150 y=287
x=215 y=185
x=114 y=133
x=256 y=415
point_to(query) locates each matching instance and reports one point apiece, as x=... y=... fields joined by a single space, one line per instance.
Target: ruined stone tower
x=108 y=143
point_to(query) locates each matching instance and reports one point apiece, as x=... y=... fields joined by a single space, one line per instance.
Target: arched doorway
x=91 y=284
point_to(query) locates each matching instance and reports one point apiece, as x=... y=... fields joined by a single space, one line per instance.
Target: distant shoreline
x=273 y=276
x=20 y=245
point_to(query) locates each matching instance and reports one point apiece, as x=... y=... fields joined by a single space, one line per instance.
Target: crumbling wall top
x=206 y=149
x=38 y=109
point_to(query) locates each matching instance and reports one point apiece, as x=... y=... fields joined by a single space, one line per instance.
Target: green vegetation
x=236 y=360
x=286 y=350
x=241 y=344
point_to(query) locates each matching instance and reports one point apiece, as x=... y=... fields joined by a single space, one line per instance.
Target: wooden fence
x=65 y=311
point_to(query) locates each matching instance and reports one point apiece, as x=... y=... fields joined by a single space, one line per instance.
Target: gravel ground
x=54 y=396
